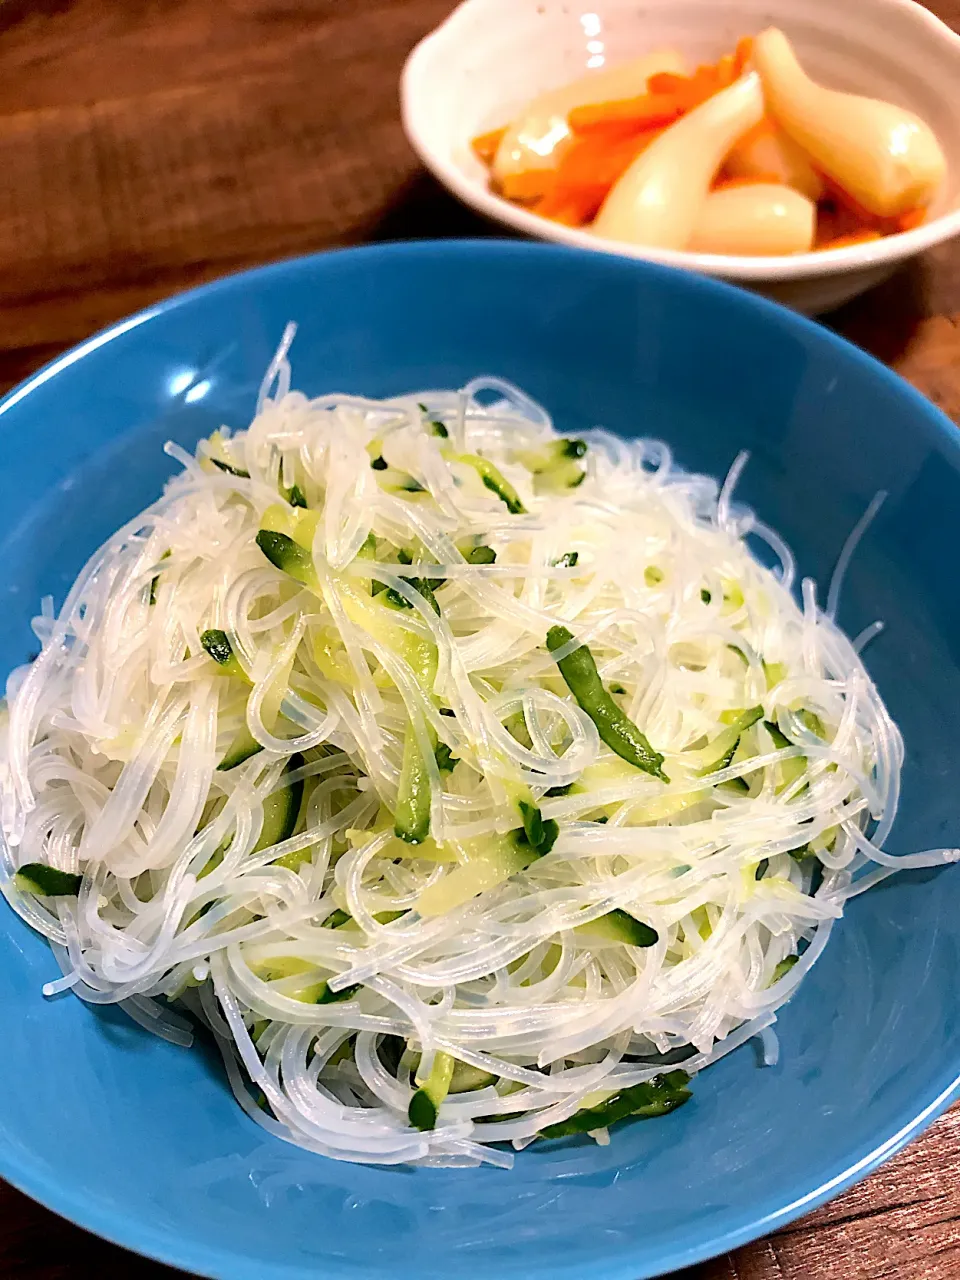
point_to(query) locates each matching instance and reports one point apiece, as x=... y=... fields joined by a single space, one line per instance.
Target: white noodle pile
x=113 y=737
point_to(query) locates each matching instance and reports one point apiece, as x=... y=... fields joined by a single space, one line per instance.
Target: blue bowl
x=141 y=1141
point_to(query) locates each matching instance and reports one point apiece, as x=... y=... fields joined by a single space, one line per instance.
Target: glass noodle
x=337 y=962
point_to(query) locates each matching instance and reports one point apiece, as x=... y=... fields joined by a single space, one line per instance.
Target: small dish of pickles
x=799 y=148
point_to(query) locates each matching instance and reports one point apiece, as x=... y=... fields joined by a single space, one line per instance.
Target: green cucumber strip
x=791 y=769
x=221 y=651
x=774 y=672
x=288 y=556
x=243 y=746
x=281 y=809
x=552 y=456
x=438 y=428
x=368 y=551
x=617 y=730
x=295 y=496
x=481 y=555
x=620 y=926
x=724 y=746
x=567 y=476
x=425 y=1103
x=568 y=560
x=426 y=587
x=494 y=480
x=155 y=580
x=652 y=1098
x=467 y=1078
x=49 y=882
x=326 y=996
x=572 y=448
x=446 y=760
x=412 y=816
x=540 y=835
x=739 y=786
x=783 y=968
x=516 y=726
x=813 y=723
x=229 y=468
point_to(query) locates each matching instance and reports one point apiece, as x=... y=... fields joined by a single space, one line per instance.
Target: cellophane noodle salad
x=471 y=782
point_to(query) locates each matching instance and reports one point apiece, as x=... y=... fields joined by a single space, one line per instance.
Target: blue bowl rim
x=140 y=1237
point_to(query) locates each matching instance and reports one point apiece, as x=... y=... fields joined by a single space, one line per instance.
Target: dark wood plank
x=36 y=1245
x=150 y=145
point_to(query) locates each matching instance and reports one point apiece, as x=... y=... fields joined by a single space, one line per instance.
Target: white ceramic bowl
x=490 y=57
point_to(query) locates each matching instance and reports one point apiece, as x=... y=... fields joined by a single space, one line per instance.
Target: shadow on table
x=421 y=209
x=884 y=320
x=14 y=11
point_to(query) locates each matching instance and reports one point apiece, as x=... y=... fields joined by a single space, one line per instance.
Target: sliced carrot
x=750 y=180
x=912 y=218
x=704 y=83
x=485 y=144
x=691 y=90
x=667 y=82
x=668 y=97
x=573 y=207
x=743 y=53
x=587 y=170
x=531 y=184
x=595 y=162
x=608 y=136
x=727 y=70
x=643 y=112
x=854 y=237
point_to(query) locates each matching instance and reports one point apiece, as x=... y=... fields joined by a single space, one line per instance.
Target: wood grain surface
x=149 y=145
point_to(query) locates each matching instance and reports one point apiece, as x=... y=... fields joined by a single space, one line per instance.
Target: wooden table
x=149 y=145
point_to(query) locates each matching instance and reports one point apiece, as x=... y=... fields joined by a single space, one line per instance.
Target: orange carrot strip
x=667 y=82
x=574 y=208
x=743 y=53
x=689 y=91
x=642 y=112
x=485 y=144
x=704 y=83
x=844 y=242
x=532 y=184
x=727 y=70
x=587 y=170
x=593 y=162
x=750 y=180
